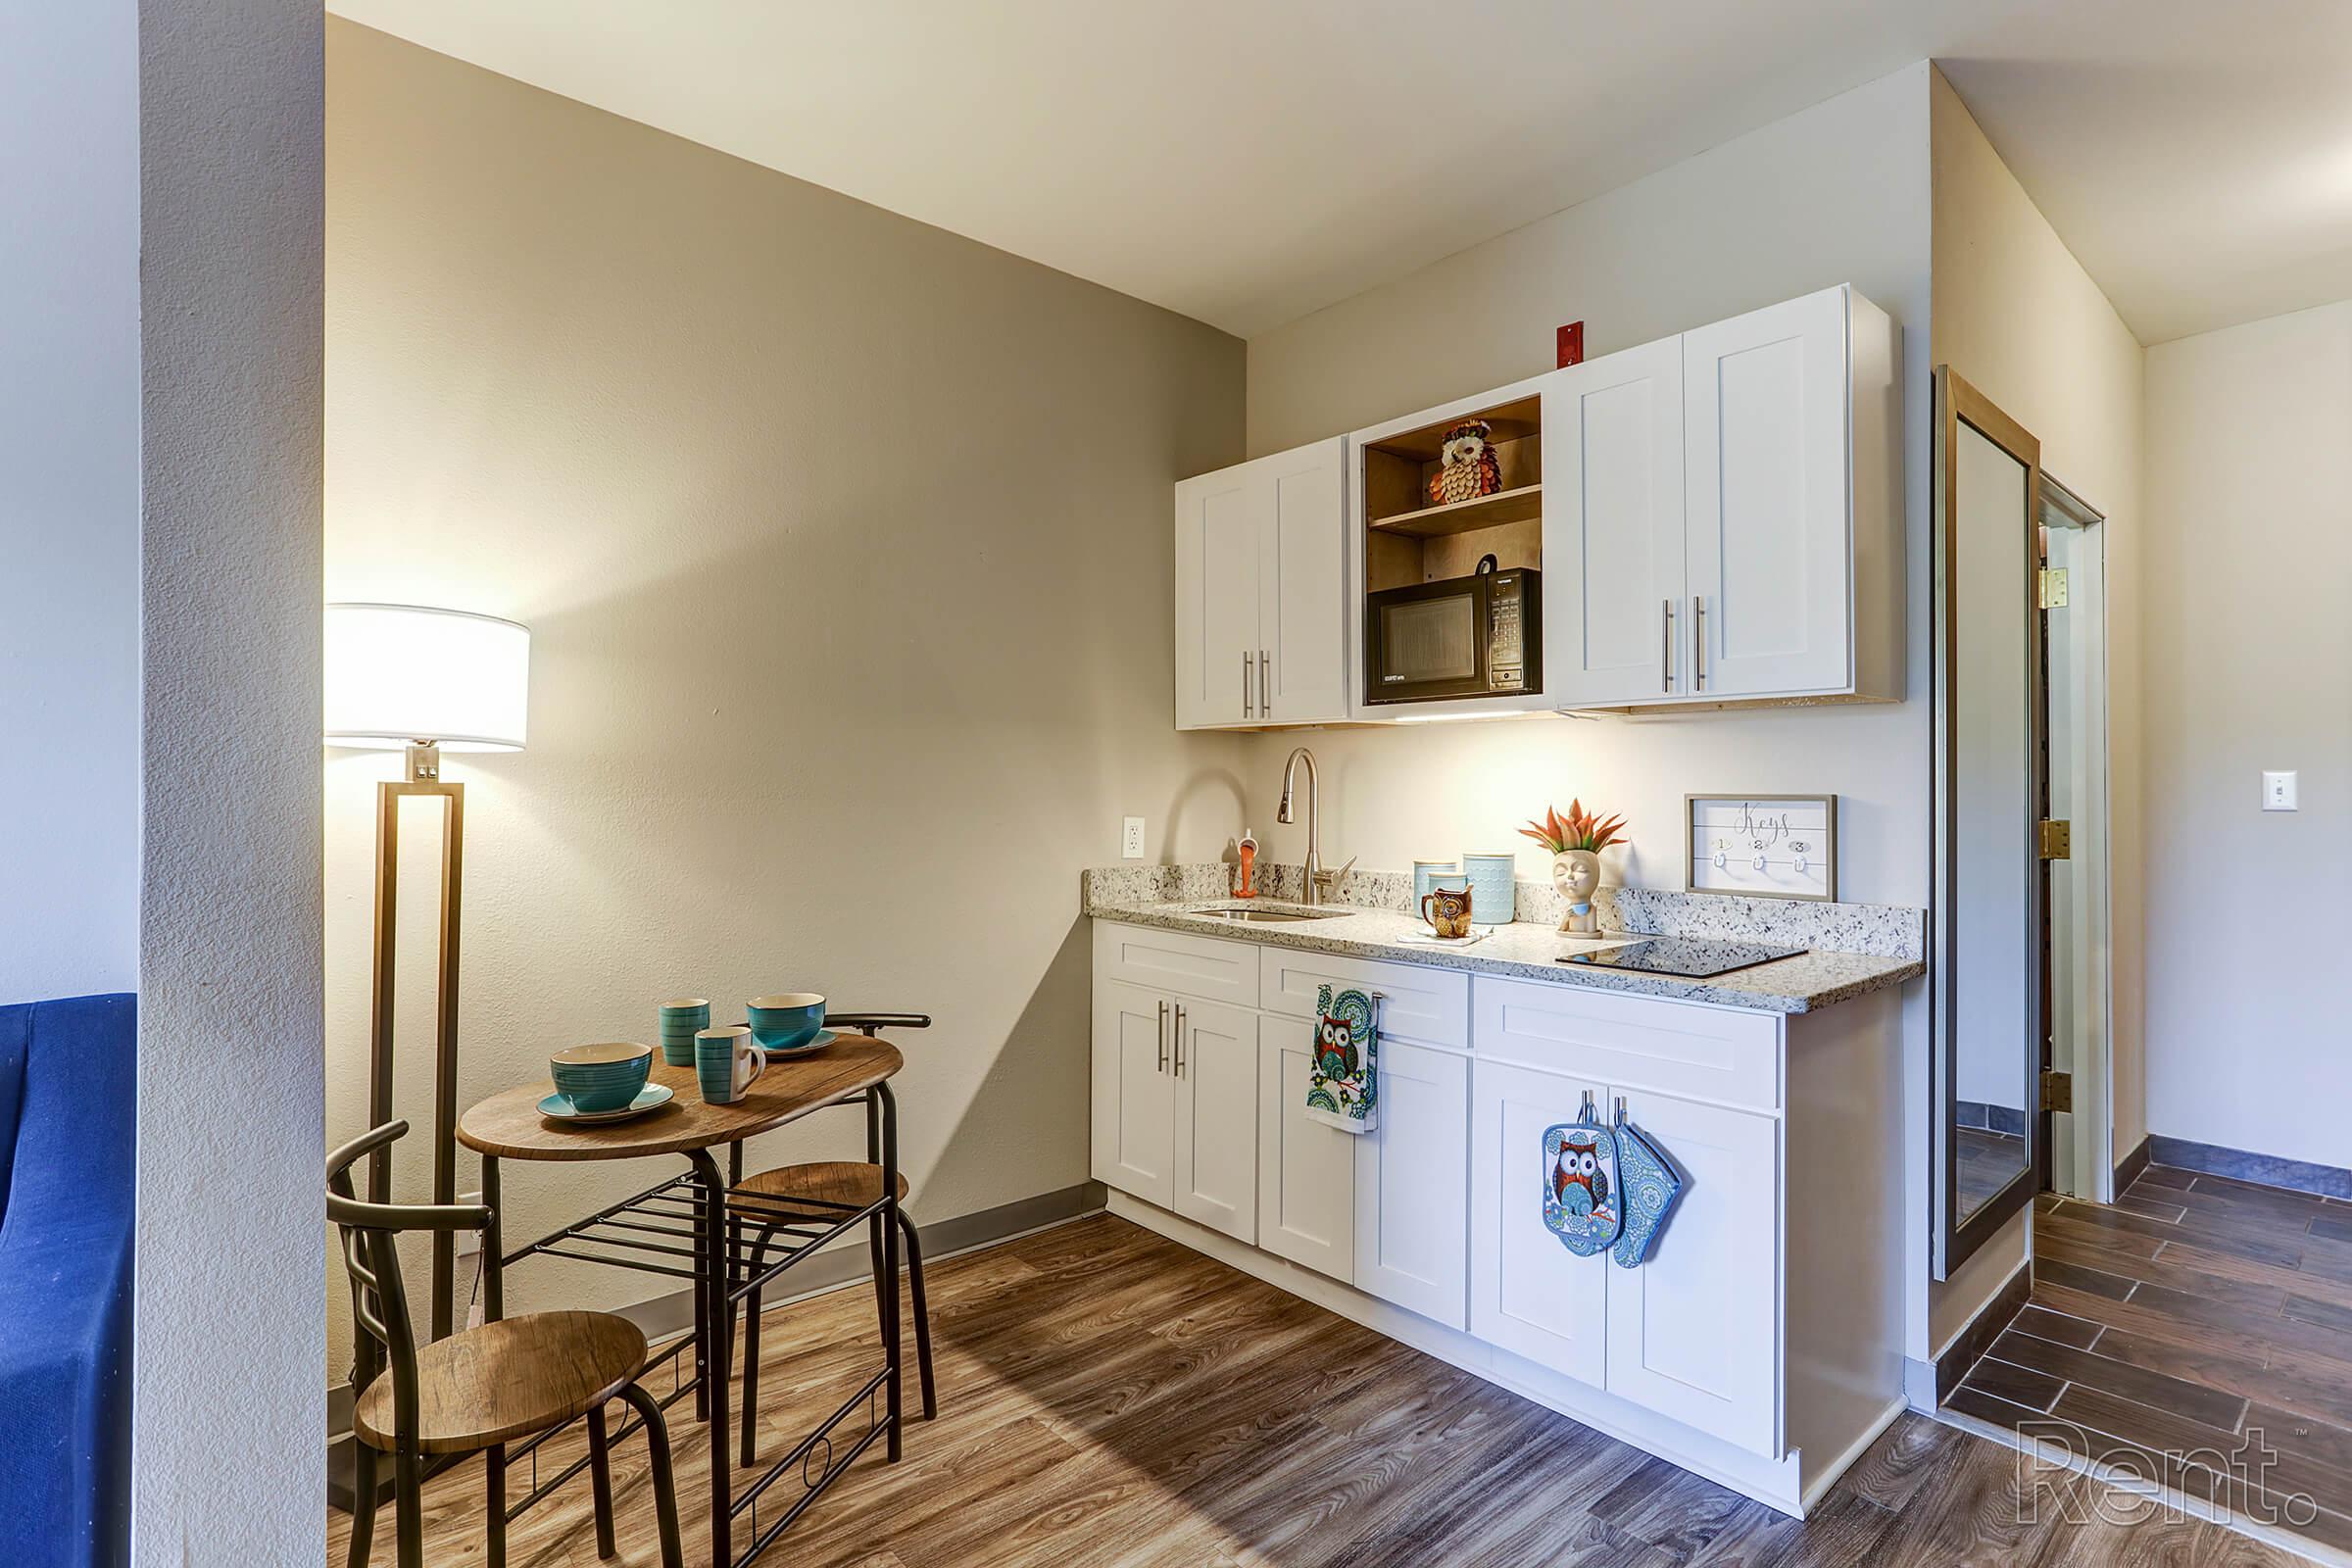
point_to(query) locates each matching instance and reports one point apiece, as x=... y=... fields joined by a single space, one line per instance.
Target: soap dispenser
x=1249 y=854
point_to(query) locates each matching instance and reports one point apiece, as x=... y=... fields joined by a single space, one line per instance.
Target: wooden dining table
x=700 y=1210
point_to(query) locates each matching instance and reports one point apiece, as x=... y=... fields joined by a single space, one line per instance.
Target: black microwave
x=1475 y=636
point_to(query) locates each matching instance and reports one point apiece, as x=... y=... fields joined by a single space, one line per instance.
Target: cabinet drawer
x=1431 y=1006
x=1683 y=1048
x=1177 y=962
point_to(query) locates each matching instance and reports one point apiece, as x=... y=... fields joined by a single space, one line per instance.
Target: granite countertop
x=1527 y=949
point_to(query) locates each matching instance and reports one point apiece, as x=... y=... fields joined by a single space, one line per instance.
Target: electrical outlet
x=470 y=1242
x=1131 y=840
x=2278 y=792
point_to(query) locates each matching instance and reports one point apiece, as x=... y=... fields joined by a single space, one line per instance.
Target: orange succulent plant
x=1580 y=829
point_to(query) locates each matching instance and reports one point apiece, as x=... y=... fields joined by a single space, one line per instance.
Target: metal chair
x=836 y=1186
x=477 y=1388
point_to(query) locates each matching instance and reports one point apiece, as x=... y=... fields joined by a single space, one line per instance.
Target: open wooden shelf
x=1461 y=517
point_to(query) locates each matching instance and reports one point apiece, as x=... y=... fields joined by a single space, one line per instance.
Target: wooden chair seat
x=853 y=1184
x=509 y=1378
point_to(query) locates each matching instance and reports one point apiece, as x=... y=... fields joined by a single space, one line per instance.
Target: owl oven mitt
x=1582 y=1206
x=1342 y=1086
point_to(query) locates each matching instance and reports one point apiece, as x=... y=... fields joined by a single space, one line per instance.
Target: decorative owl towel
x=1582 y=1203
x=1343 y=1087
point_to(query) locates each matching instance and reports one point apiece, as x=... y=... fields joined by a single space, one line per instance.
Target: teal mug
x=601 y=1077
x=682 y=1018
x=787 y=1020
x=727 y=1062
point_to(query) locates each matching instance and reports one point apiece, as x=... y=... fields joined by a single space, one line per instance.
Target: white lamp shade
x=396 y=674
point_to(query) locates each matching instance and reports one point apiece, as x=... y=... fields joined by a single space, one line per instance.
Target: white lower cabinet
x=1175 y=1103
x=1757 y=1345
x=1306 y=1197
x=1694 y=1332
x=1134 y=1094
x=1412 y=1185
x=1214 y=1065
x=1529 y=1293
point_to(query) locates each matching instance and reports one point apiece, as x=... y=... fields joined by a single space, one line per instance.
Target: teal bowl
x=784 y=1021
x=601 y=1077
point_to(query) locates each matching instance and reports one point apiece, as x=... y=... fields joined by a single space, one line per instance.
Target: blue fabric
x=66 y=1090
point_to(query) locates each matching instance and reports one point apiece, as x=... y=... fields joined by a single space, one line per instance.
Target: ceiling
x=1247 y=161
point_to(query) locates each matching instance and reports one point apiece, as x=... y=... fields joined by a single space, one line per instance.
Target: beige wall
x=2017 y=315
x=1838 y=193
x=845 y=543
x=2248 y=563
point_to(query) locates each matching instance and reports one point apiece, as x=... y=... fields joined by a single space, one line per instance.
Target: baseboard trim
x=2238 y=1165
x=2128 y=1169
x=843 y=1264
x=1969 y=1346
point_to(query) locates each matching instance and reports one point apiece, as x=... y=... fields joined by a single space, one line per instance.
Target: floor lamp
x=421 y=681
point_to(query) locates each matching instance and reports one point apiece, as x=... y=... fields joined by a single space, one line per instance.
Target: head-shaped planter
x=1577 y=874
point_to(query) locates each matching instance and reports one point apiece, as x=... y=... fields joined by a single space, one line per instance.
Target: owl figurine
x=1470 y=469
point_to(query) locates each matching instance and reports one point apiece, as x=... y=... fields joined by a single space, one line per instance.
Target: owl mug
x=1447 y=912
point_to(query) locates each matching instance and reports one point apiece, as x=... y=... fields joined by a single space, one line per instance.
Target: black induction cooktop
x=1689 y=958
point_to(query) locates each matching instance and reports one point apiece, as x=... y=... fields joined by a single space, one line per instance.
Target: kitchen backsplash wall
x=1882 y=930
x=1394 y=796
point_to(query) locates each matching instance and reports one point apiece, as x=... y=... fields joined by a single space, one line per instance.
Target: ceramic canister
x=1494 y=888
x=1430 y=874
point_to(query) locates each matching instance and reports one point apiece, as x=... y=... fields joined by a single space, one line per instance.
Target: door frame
x=2092 y=1168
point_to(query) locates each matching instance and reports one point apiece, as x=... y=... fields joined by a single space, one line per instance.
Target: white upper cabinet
x=1262 y=635
x=1613 y=527
x=1766 y=410
x=1713 y=518
x=1768 y=564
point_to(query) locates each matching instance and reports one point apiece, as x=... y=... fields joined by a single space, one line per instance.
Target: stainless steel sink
x=1264 y=916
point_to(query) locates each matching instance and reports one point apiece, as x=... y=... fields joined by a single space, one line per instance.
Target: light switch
x=1131 y=840
x=2278 y=792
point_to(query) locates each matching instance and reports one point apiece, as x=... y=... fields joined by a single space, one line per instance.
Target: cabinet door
x=1614 y=619
x=1215 y=1071
x=1765 y=401
x=1217 y=564
x=1529 y=1293
x=1412 y=1185
x=1695 y=1332
x=1302 y=585
x=1134 y=1091
x=1305 y=1170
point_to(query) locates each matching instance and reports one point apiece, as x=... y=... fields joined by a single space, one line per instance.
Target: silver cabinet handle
x=1666 y=646
x=1699 y=641
x=1245 y=683
x=1180 y=1040
x=1265 y=708
x=1163 y=1036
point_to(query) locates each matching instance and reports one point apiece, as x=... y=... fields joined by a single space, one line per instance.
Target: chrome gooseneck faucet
x=1283 y=814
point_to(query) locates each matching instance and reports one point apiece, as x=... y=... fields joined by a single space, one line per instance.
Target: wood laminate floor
x=1109 y=1398
x=2200 y=1330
